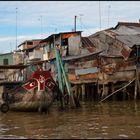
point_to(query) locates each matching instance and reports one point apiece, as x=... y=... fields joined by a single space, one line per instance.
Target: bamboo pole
x=59 y=77
x=68 y=86
x=59 y=71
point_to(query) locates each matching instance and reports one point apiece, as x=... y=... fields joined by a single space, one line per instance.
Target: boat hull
x=29 y=107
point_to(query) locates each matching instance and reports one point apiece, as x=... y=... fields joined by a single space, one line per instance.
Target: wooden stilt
x=106 y=91
x=135 y=92
x=124 y=94
x=98 y=91
x=112 y=90
x=138 y=82
x=75 y=91
x=83 y=92
x=79 y=92
x=103 y=92
x=92 y=91
x=87 y=91
x=117 y=90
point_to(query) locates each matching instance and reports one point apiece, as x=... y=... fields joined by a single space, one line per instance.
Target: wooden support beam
x=98 y=91
x=103 y=92
x=135 y=92
x=79 y=91
x=138 y=81
x=112 y=90
x=83 y=92
x=92 y=92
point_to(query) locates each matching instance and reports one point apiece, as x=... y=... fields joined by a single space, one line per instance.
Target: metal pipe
x=59 y=70
x=70 y=93
x=75 y=23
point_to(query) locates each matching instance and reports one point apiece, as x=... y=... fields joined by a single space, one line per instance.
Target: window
x=29 y=43
x=5 y=61
x=65 y=42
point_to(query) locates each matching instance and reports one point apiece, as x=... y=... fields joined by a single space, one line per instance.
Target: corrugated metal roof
x=136 y=28
x=52 y=35
x=86 y=43
x=110 y=56
x=136 y=24
x=124 y=30
x=80 y=56
x=29 y=40
x=129 y=40
x=120 y=39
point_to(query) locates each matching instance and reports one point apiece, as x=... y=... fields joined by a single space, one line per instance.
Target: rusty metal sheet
x=129 y=40
x=67 y=35
x=71 y=76
x=87 y=43
x=86 y=71
x=125 y=53
x=88 y=76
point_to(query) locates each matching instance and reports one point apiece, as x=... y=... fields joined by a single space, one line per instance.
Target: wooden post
x=92 y=91
x=112 y=90
x=136 y=84
x=103 y=92
x=135 y=92
x=87 y=91
x=124 y=94
x=75 y=90
x=98 y=91
x=79 y=91
x=137 y=78
x=83 y=92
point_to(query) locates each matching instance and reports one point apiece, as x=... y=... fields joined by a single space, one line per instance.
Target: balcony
x=35 y=55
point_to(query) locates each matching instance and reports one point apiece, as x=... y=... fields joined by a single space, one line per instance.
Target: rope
x=117 y=90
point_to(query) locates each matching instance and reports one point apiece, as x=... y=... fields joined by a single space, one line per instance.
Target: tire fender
x=4 y=107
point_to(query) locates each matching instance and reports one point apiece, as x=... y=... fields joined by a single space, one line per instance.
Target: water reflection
x=92 y=120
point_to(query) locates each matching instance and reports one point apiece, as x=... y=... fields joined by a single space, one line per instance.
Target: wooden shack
x=69 y=43
x=8 y=60
x=119 y=62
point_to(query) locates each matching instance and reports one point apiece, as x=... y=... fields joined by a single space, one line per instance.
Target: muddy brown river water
x=108 y=120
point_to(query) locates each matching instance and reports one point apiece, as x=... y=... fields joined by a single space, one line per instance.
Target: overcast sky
x=38 y=19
